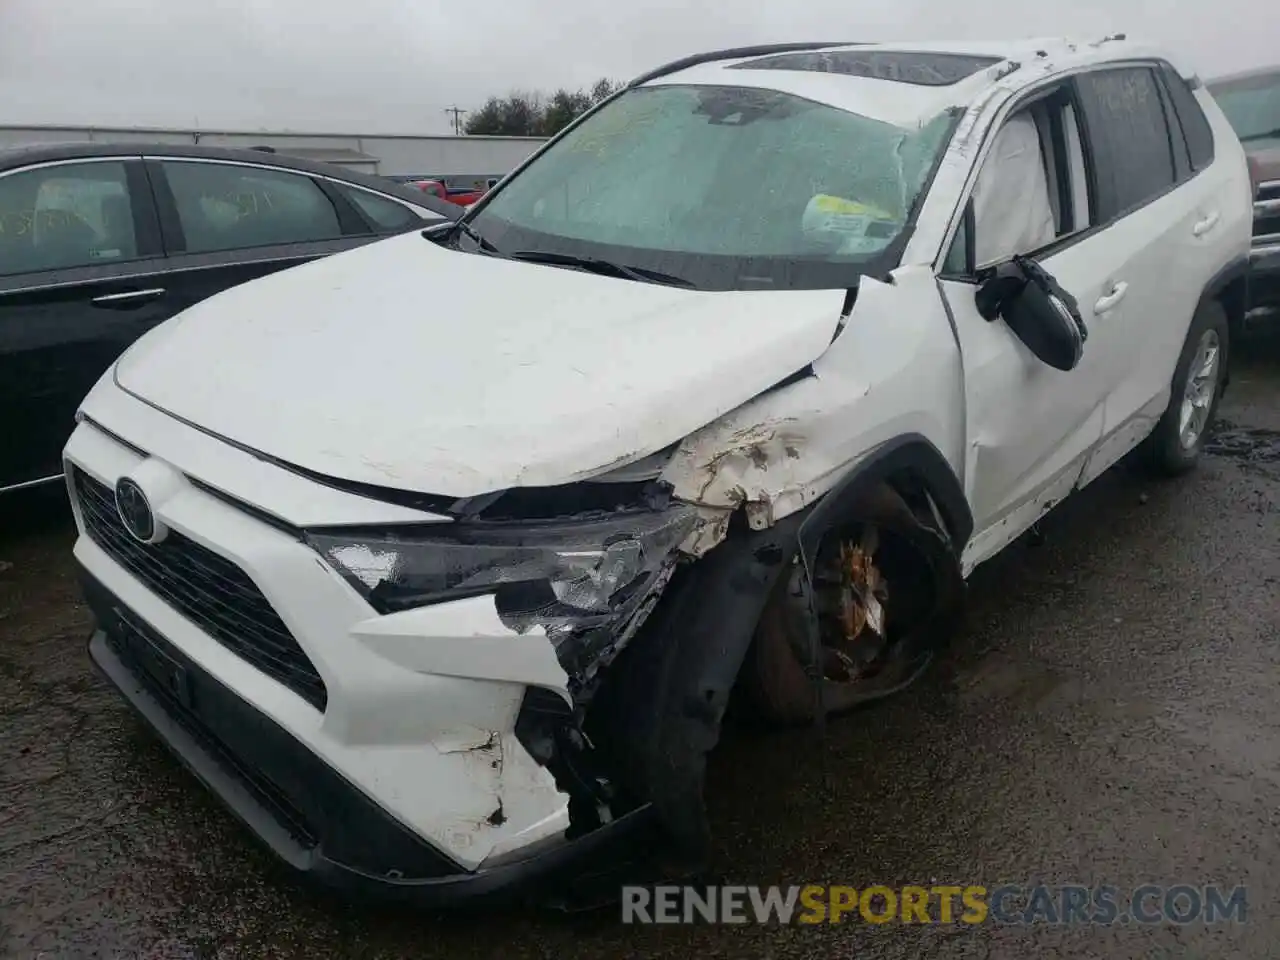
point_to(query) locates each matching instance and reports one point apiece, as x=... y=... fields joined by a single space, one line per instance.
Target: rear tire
x=1174 y=446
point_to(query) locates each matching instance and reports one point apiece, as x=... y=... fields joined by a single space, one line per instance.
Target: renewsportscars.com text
x=941 y=904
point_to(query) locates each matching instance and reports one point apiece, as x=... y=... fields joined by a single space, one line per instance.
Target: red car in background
x=462 y=196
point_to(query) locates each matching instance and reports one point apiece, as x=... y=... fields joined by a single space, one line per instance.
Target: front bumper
x=307 y=814
x=401 y=770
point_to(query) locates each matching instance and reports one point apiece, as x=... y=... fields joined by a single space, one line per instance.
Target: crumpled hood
x=407 y=365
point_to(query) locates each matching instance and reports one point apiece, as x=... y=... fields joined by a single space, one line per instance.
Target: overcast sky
x=377 y=66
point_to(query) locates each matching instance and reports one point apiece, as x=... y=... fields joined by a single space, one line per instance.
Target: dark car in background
x=99 y=243
x=1251 y=102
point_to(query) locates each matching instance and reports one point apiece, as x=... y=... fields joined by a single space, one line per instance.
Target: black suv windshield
x=1252 y=105
x=722 y=187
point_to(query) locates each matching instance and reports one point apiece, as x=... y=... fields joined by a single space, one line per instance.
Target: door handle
x=1118 y=290
x=1205 y=225
x=128 y=298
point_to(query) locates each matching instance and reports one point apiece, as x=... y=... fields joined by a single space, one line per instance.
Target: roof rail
x=733 y=53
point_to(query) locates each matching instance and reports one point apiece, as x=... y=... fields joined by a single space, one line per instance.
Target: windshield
x=723 y=187
x=1252 y=105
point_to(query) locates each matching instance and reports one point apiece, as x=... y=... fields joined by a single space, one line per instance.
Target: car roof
x=14 y=158
x=797 y=69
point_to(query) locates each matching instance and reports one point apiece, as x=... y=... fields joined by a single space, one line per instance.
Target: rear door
x=226 y=223
x=1159 y=224
x=81 y=278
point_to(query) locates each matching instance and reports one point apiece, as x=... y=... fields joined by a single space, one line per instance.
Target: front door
x=1030 y=428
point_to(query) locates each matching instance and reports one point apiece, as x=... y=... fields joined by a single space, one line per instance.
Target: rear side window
x=65 y=216
x=382 y=213
x=1195 y=128
x=1125 y=120
x=226 y=207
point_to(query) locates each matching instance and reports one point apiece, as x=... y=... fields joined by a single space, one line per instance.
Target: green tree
x=519 y=114
x=604 y=89
x=562 y=109
x=525 y=114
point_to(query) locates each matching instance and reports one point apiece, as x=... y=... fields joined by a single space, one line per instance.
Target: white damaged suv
x=438 y=560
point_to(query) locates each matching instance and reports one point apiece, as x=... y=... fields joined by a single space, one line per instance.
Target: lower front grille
x=134 y=640
x=208 y=589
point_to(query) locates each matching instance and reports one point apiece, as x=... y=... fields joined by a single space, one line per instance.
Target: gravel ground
x=1108 y=715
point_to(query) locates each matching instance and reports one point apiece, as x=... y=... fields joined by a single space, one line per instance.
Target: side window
x=384 y=213
x=224 y=207
x=958 y=262
x=1132 y=149
x=1195 y=128
x=70 y=215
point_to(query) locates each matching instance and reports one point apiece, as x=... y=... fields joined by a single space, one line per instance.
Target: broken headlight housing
x=571 y=578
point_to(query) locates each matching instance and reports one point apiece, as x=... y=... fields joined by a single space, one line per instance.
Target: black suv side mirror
x=1041 y=314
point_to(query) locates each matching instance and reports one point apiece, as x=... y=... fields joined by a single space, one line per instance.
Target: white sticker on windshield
x=860 y=226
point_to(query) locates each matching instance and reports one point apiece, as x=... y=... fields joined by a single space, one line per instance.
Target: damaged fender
x=785 y=449
x=665 y=707
x=660 y=711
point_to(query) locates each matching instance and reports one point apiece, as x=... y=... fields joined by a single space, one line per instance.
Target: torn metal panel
x=783 y=450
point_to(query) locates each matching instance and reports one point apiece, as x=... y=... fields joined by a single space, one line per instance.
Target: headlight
x=561 y=576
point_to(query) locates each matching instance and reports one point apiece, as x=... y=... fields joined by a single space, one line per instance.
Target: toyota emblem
x=135 y=511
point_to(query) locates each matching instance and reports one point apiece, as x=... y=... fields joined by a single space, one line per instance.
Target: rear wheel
x=1175 y=445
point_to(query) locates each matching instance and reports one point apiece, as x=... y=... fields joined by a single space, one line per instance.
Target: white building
x=460 y=160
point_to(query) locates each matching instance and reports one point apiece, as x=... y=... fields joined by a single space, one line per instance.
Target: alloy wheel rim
x=1199 y=390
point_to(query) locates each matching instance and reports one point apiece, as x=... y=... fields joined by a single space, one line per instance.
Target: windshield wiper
x=604 y=267
x=475 y=236
x=1265 y=135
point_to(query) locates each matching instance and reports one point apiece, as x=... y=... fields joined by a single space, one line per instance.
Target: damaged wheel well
x=917 y=471
x=659 y=709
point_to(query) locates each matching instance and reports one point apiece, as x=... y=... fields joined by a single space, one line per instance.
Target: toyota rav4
x=439 y=560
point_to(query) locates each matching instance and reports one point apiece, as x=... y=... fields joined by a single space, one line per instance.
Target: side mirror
x=1041 y=314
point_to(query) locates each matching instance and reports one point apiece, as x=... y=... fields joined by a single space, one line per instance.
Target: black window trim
x=1182 y=168
x=175 y=238
x=146 y=218
x=1096 y=224
x=57 y=280
x=1058 y=140
x=1167 y=76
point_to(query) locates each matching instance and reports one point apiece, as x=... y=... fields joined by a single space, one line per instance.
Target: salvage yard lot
x=1109 y=714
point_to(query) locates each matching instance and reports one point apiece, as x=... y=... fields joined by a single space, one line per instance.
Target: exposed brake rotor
x=851 y=595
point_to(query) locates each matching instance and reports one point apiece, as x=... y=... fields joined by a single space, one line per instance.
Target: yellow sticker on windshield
x=826 y=203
